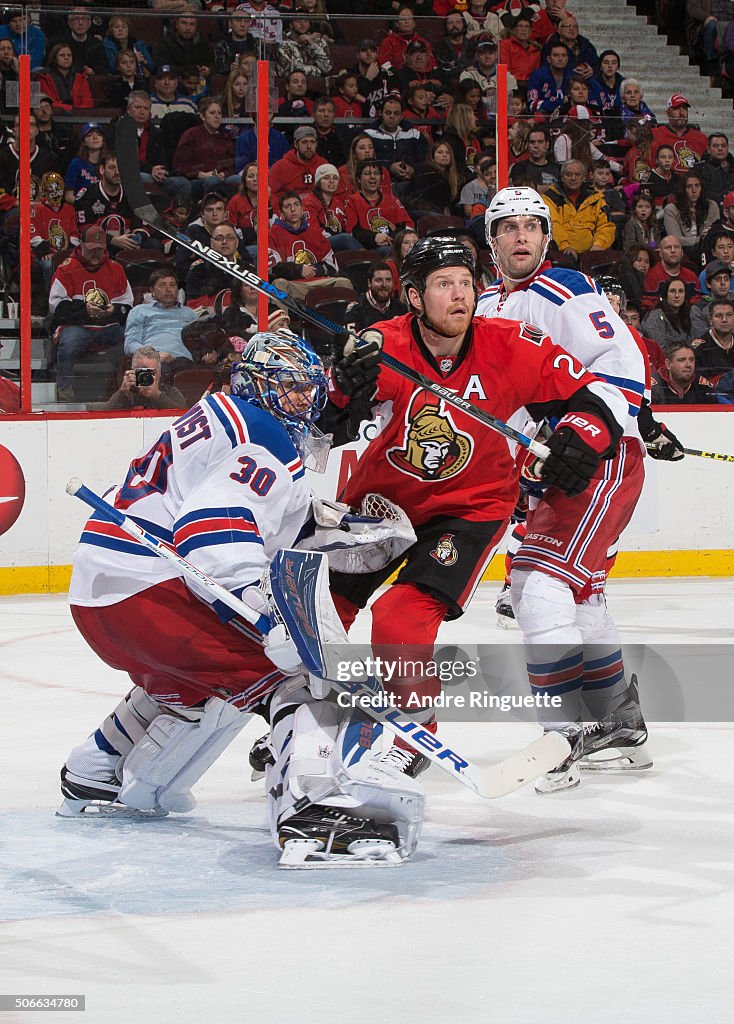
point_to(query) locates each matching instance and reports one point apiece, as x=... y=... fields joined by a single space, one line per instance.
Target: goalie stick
x=491 y=782
x=126 y=145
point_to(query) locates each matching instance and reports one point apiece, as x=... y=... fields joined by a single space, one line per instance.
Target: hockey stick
x=126 y=144
x=491 y=782
x=709 y=455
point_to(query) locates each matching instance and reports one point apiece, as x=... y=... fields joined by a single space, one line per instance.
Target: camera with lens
x=144 y=376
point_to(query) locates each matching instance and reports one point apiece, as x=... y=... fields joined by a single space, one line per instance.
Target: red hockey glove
x=576 y=446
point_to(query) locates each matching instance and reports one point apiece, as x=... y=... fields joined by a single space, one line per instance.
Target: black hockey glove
x=356 y=367
x=664 y=445
x=575 y=447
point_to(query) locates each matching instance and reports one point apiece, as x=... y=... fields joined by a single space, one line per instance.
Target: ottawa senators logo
x=377 y=222
x=433 y=449
x=686 y=157
x=445 y=551
x=96 y=297
x=332 y=222
x=57 y=237
x=302 y=255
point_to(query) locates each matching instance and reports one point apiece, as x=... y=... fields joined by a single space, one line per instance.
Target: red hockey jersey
x=56 y=228
x=332 y=220
x=434 y=460
x=290 y=174
x=308 y=246
x=384 y=213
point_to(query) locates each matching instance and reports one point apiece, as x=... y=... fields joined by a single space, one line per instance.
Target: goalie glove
x=358 y=542
x=576 y=446
x=355 y=367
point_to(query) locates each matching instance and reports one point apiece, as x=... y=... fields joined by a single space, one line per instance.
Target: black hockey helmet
x=611 y=286
x=429 y=254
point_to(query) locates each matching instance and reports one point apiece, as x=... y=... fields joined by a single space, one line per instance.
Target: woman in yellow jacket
x=578 y=213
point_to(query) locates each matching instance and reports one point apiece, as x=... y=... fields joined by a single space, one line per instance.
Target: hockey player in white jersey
x=226 y=487
x=558 y=574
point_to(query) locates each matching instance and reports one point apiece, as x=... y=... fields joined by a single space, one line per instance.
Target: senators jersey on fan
x=53 y=230
x=305 y=245
x=224 y=485
x=365 y=218
x=432 y=459
x=332 y=219
x=576 y=315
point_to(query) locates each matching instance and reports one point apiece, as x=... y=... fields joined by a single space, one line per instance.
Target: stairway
x=662 y=70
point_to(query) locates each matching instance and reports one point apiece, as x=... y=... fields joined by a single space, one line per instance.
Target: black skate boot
x=503 y=607
x=260 y=757
x=624 y=732
x=74 y=787
x=325 y=832
x=408 y=762
x=566 y=775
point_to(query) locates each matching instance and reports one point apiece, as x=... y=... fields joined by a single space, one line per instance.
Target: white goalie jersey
x=224 y=485
x=570 y=307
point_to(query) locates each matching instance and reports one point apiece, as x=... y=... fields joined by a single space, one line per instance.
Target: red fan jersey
x=332 y=220
x=309 y=245
x=56 y=228
x=384 y=213
x=432 y=459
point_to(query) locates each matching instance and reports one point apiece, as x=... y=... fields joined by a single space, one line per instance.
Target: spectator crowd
x=383 y=130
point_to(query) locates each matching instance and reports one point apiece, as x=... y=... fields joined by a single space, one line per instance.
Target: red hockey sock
x=405 y=622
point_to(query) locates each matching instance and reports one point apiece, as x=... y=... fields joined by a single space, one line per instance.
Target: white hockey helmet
x=516 y=202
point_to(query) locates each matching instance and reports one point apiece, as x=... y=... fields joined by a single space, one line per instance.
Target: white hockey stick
x=490 y=782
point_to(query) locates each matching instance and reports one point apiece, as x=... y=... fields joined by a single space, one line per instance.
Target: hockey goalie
x=226 y=488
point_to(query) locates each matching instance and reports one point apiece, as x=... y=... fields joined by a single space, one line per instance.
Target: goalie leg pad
x=174 y=754
x=321 y=758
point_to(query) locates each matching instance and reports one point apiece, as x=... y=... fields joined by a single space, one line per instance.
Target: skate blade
x=96 y=810
x=255 y=775
x=309 y=855
x=506 y=621
x=546 y=786
x=623 y=759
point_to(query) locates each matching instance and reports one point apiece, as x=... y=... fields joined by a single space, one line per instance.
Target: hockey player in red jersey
x=226 y=487
x=454 y=478
x=559 y=571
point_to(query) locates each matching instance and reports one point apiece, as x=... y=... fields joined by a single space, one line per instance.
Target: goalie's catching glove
x=356 y=367
x=576 y=446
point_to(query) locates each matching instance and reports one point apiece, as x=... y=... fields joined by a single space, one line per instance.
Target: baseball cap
x=486 y=42
x=46 y=97
x=714 y=267
x=580 y=112
x=91 y=126
x=367 y=44
x=167 y=69
x=416 y=47
x=322 y=170
x=728 y=199
x=677 y=100
x=94 y=233
x=305 y=131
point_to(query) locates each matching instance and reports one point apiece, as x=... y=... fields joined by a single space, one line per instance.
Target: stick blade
x=527 y=764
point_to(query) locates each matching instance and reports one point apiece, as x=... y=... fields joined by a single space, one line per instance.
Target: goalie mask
x=283 y=375
x=51 y=190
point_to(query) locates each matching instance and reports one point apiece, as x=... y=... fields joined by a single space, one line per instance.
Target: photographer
x=141 y=386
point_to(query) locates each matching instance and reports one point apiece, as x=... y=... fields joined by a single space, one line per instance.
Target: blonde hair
x=463 y=120
x=231 y=107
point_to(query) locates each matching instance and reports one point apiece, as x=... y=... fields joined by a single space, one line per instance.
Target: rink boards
x=683 y=525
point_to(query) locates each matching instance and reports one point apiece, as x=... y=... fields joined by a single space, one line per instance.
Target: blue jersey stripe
x=557 y=300
x=213 y=539
x=622 y=382
x=127 y=547
x=224 y=420
x=570 y=279
x=215 y=513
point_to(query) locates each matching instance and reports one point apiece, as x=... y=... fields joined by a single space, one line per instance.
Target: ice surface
x=611 y=903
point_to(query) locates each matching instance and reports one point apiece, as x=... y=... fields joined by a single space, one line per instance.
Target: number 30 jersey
x=570 y=308
x=224 y=485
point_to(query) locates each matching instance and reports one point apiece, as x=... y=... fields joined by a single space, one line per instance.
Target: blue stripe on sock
x=104 y=744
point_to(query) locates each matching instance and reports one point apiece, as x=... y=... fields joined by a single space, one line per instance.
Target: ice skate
x=260 y=757
x=324 y=836
x=503 y=607
x=622 y=734
x=566 y=775
x=407 y=762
